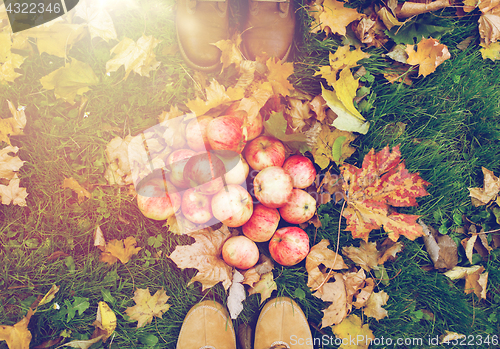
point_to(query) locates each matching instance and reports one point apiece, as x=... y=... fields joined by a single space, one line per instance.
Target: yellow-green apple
x=264 y=152
x=236 y=169
x=273 y=186
x=204 y=171
x=289 y=246
x=176 y=161
x=300 y=207
x=301 y=169
x=196 y=133
x=227 y=133
x=263 y=223
x=157 y=198
x=196 y=207
x=240 y=252
x=232 y=205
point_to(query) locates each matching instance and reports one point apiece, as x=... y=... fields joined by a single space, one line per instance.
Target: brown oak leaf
x=206 y=256
x=147 y=306
x=489 y=191
x=382 y=182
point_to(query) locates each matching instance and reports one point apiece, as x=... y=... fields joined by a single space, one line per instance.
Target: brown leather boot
x=269 y=28
x=282 y=324
x=199 y=24
x=207 y=325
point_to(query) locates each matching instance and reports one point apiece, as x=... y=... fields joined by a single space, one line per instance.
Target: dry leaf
x=216 y=95
x=278 y=74
x=429 y=55
x=345 y=89
x=489 y=191
x=70 y=80
x=205 y=255
x=381 y=182
x=72 y=184
x=230 y=51
x=461 y=272
x=489 y=22
x=12 y=193
x=334 y=17
x=179 y=225
x=9 y=164
x=265 y=287
x=56 y=38
x=138 y=57
x=332 y=145
x=410 y=9
x=477 y=282
x=364 y=293
x=388 y=251
x=366 y=256
x=343 y=58
x=374 y=305
x=334 y=292
x=450 y=336
x=236 y=295
x=121 y=250
x=17 y=336
x=492 y=51
x=299 y=111
x=318 y=106
x=353 y=282
x=441 y=248
x=119 y=169
x=350 y=328
x=105 y=322
x=319 y=255
x=49 y=296
x=98 y=22
x=83 y=344
x=14 y=125
x=147 y=306
x=8 y=61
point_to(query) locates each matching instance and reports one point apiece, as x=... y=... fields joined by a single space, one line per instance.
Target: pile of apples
x=232 y=174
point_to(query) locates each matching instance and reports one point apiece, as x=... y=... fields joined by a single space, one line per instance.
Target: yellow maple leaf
x=374 y=305
x=345 y=88
x=429 y=55
x=9 y=164
x=73 y=184
x=216 y=95
x=9 y=61
x=492 y=51
x=138 y=57
x=70 y=80
x=335 y=17
x=278 y=74
x=206 y=256
x=341 y=59
x=230 y=51
x=352 y=327
x=489 y=191
x=98 y=20
x=332 y=145
x=147 y=306
x=121 y=250
x=12 y=193
x=345 y=121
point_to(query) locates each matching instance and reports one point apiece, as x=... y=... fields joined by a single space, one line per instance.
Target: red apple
x=289 y=246
x=196 y=207
x=301 y=169
x=236 y=170
x=273 y=186
x=264 y=152
x=263 y=223
x=227 y=133
x=205 y=171
x=176 y=161
x=233 y=205
x=300 y=207
x=240 y=252
x=254 y=126
x=196 y=133
x=158 y=199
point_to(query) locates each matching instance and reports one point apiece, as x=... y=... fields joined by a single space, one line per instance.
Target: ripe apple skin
x=232 y=205
x=158 y=199
x=196 y=133
x=205 y=171
x=264 y=152
x=300 y=207
x=263 y=223
x=273 y=186
x=255 y=124
x=227 y=133
x=236 y=174
x=176 y=161
x=240 y=252
x=196 y=207
x=301 y=169
x=289 y=246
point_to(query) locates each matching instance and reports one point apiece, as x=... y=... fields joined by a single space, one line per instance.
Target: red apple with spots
x=263 y=223
x=264 y=152
x=240 y=252
x=289 y=246
x=300 y=207
x=273 y=186
x=301 y=169
x=196 y=207
x=196 y=133
x=232 y=205
x=158 y=199
x=227 y=133
x=204 y=172
x=176 y=162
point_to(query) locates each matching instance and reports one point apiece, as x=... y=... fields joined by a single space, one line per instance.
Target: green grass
x=452 y=122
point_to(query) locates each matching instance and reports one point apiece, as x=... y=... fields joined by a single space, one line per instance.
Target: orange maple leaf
x=430 y=53
x=120 y=250
x=382 y=182
x=278 y=76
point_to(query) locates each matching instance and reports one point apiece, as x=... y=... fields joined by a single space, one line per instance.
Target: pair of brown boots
x=281 y=324
x=267 y=29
